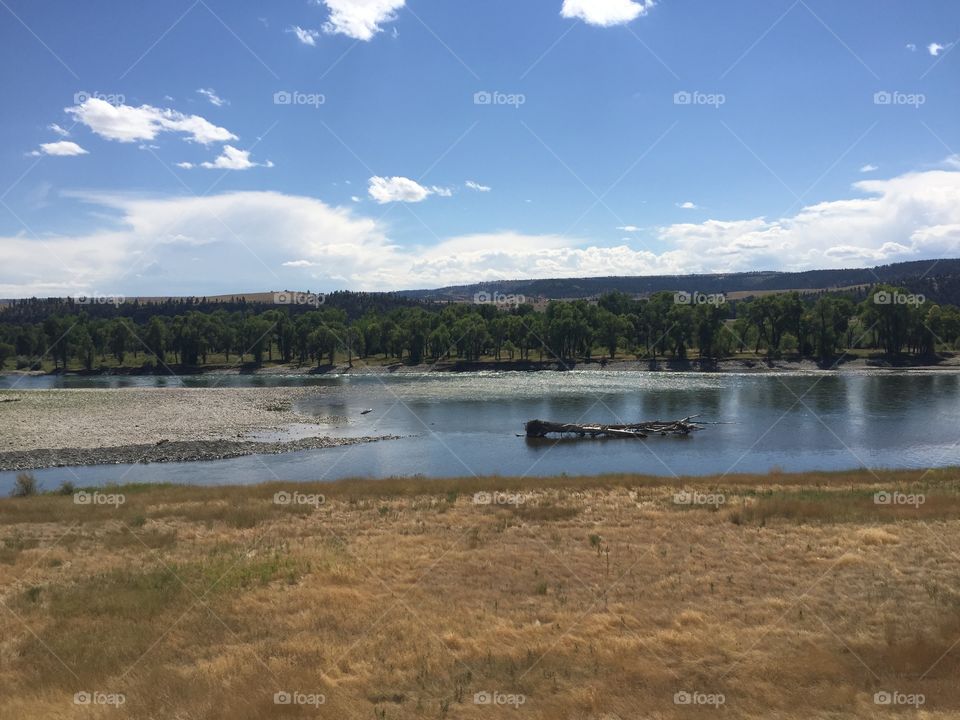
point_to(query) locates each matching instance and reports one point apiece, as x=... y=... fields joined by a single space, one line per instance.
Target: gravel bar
x=174 y=451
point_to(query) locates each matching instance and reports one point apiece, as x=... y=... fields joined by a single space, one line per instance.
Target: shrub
x=26 y=485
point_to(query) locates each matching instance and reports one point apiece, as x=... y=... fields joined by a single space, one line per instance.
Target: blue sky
x=620 y=137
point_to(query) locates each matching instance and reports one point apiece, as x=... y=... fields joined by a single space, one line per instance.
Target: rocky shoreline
x=173 y=451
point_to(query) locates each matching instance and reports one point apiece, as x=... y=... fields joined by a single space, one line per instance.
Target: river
x=466 y=424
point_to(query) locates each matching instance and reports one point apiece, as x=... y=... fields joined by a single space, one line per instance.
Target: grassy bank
x=786 y=595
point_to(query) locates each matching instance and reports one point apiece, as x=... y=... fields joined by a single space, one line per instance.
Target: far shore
x=942 y=363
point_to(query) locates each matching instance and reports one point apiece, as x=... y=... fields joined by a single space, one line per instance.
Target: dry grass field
x=775 y=596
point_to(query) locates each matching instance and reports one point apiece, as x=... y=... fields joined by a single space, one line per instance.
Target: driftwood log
x=542 y=428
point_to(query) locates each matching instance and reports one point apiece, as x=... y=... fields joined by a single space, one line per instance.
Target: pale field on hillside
x=798 y=596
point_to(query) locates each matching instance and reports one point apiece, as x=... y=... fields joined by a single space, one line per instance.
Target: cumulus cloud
x=360 y=19
x=477 y=186
x=212 y=96
x=258 y=239
x=687 y=205
x=869 y=168
x=231 y=159
x=935 y=48
x=307 y=37
x=605 y=13
x=63 y=148
x=125 y=123
x=62 y=132
x=397 y=189
x=912 y=47
x=629 y=228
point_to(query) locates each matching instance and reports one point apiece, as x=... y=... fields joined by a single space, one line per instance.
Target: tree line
x=667 y=325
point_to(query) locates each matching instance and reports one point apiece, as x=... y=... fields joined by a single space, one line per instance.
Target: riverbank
x=379 y=366
x=55 y=428
x=788 y=596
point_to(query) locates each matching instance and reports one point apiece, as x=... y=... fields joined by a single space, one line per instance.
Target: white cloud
x=687 y=205
x=212 y=96
x=477 y=186
x=63 y=148
x=360 y=19
x=307 y=37
x=185 y=165
x=354 y=198
x=258 y=239
x=911 y=47
x=869 y=168
x=605 y=13
x=935 y=48
x=397 y=189
x=125 y=123
x=231 y=159
x=629 y=228
x=62 y=132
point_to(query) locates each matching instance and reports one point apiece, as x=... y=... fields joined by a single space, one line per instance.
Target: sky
x=218 y=146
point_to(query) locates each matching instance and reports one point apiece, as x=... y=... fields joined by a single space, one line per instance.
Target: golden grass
x=595 y=597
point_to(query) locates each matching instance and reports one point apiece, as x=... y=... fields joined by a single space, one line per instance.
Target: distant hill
x=941 y=284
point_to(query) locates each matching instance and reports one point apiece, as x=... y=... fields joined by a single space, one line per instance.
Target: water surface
x=465 y=424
